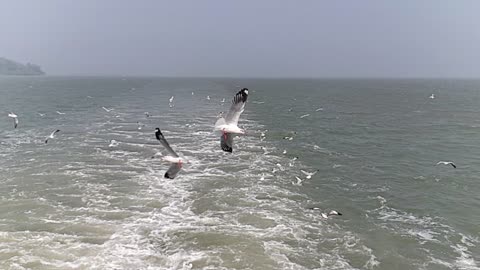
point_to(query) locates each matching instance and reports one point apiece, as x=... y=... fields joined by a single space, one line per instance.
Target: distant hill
x=9 y=67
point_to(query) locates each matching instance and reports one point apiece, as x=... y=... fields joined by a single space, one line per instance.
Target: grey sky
x=246 y=38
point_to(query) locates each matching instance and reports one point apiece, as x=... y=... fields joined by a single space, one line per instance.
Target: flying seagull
x=51 y=135
x=15 y=119
x=309 y=174
x=140 y=125
x=107 y=109
x=447 y=163
x=326 y=215
x=228 y=125
x=59 y=112
x=305 y=115
x=299 y=181
x=432 y=96
x=173 y=158
x=113 y=143
x=171 y=99
x=208 y=97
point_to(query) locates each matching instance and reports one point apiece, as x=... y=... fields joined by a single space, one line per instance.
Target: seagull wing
x=306 y=173
x=226 y=142
x=238 y=106
x=173 y=170
x=54 y=132
x=164 y=142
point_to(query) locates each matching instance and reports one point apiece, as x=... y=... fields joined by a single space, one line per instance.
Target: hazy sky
x=245 y=38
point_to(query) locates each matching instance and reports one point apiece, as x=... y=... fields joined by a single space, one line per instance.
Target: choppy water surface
x=76 y=203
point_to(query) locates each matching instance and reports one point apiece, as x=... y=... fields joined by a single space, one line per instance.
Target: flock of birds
x=227 y=126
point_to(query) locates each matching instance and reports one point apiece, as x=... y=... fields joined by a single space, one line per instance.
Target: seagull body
x=228 y=125
x=173 y=158
x=309 y=174
x=447 y=163
x=51 y=136
x=15 y=119
x=208 y=97
x=113 y=143
x=60 y=112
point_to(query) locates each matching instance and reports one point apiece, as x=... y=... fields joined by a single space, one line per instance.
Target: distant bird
x=319 y=109
x=61 y=113
x=208 y=97
x=326 y=215
x=290 y=109
x=309 y=174
x=113 y=143
x=193 y=93
x=89 y=97
x=288 y=138
x=284 y=152
x=15 y=119
x=51 y=136
x=41 y=114
x=140 y=125
x=107 y=109
x=258 y=102
x=432 y=96
x=223 y=100
x=173 y=158
x=305 y=115
x=171 y=99
x=299 y=181
x=228 y=125
x=447 y=163
x=147 y=114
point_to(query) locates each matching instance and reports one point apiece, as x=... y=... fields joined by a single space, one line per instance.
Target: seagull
x=113 y=143
x=15 y=119
x=41 y=114
x=193 y=93
x=140 y=125
x=208 y=97
x=319 y=109
x=171 y=99
x=59 y=112
x=326 y=215
x=173 y=158
x=107 y=110
x=51 y=135
x=447 y=163
x=309 y=174
x=288 y=138
x=228 y=125
x=147 y=114
x=284 y=152
x=305 y=115
x=223 y=100
x=89 y=97
x=299 y=181
x=432 y=96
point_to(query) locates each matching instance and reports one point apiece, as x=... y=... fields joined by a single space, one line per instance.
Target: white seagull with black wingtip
x=447 y=163
x=15 y=119
x=173 y=158
x=51 y=135
x=228 y=125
